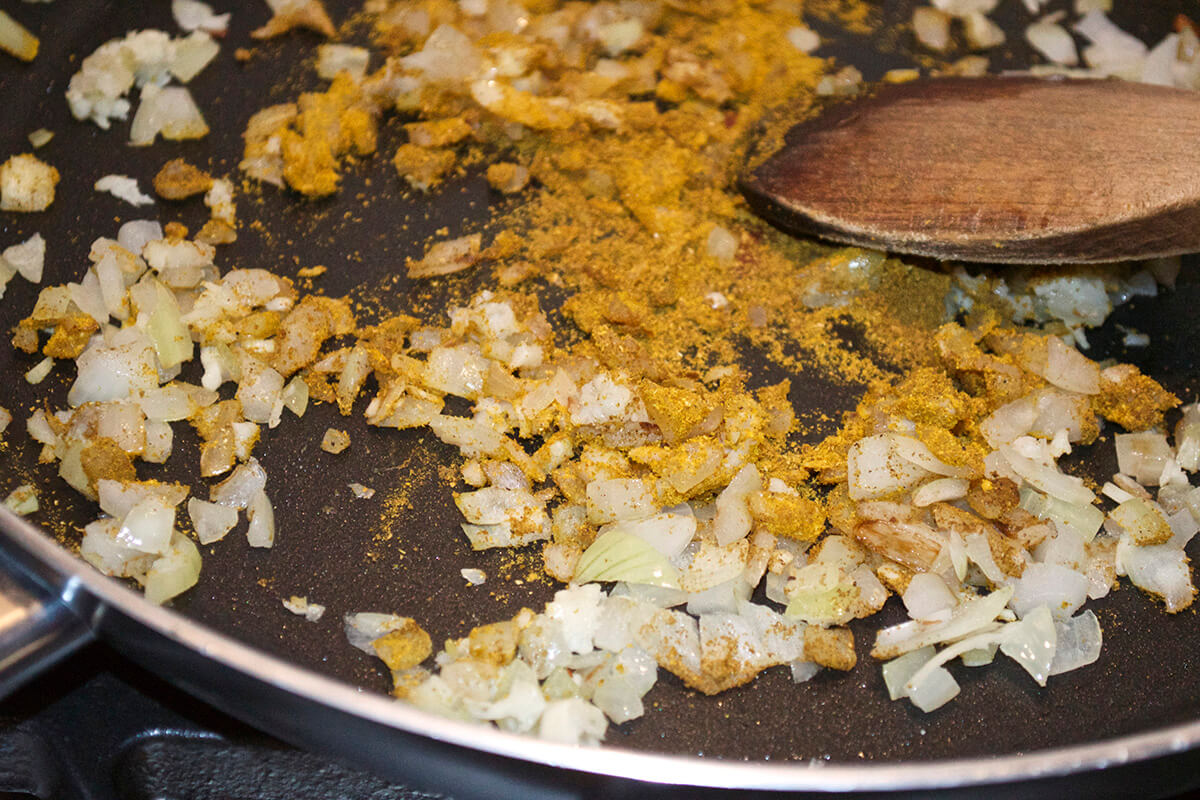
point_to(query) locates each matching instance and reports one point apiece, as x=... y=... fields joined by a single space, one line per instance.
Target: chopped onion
x=1083 y=519
x=1052 y=41
x=27 y=258
x=572 y=721
x=16 y=39
x=22 y=500
x=1143 y=522
x=1078 y=642
x=969 y=617
x=261 y=531
x=619 y=499
x=733 y=520
x=212 y=521
x=1159 y=569
x=1142 y=456
x=170 y=111
x=940 y=490
x=1047 y=479
x=1031 y=642
x=173 y=573
x=148 y=527
x=932 y=28
x=240 y=488
x=928 y=598
x=898 y=671
x=668 y=533
x=621 y=556
x=1060 y=589
x=1069 y=369
x=124 y=188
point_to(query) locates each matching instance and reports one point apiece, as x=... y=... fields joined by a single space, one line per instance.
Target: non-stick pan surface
x=401 y=551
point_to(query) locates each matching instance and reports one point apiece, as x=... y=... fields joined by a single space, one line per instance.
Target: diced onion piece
x=166 y=329
x=124 y=188
x=572 y=721
x=16 y=39
x=621 y=556
x=1060 y=589
x=1144 y=523
x=932 y=28
x=875 y=468
x=668 y=533
x=1078 y=642
x=192 y=15
x=970 y=616
x=1159 y=569
x=733 y=521
x=1052 y=41
x=295 y=396
x=22 y=500
x=261 y=531
x=447 y=257
x=236 y=491
x=619 y=499
x=898 y=671
x=931 y=688
x=38 y=372
x=1031 y=642
x=1083 y=519
x=27 y=258
x=940 y=490
x=364 y=627
x=148 y=527
x=1048 y=479
x=302 y=608
x=173 y=573
x=1143 y=456
x=1187 y=438
x=1069 y=369
x=212 y=521
x=335 y=58
x=170 y=111
x=928 y=597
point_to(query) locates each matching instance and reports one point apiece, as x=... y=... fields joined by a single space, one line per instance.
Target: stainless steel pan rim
x=100 y=601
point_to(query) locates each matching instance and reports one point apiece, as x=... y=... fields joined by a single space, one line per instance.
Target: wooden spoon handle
x=1003 y=170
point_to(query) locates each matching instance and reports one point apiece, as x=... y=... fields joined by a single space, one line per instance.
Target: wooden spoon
x=1000 y=170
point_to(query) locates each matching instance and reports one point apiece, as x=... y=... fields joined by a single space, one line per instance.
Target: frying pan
x=1130 y=720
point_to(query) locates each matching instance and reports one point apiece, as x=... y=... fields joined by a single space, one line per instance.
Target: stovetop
x=102 y=728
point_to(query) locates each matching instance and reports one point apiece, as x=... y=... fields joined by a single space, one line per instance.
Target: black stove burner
x=101 y=728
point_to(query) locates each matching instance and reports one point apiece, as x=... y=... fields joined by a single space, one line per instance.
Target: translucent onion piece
x=1069 y=369
x=875 y=468
x=572 y=721
x=1142 y=456
x=1159 y=569
x=1056 y=587
x=1048 y=479
x=668 y=533
x=211 y=520
x=970 y=616
x=621 y=556
x=1031 y=642
x=1079 y=640
x=241 y=486
x=931 y=688
x=927 y=597
x=898 y=671
x=1083 y=519
x=148 y=526
x=175 y=572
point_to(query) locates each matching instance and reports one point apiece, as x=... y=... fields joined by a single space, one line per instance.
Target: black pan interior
x=401 y=551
